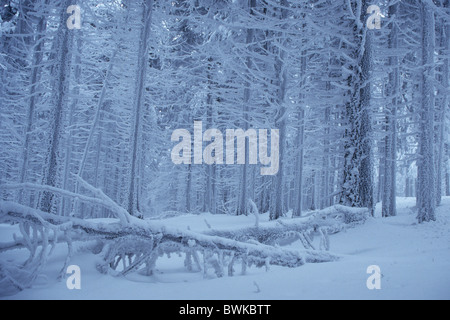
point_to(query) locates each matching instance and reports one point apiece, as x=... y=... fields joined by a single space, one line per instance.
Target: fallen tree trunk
x=127 y=244
x=283 y=232
x=87 y=230
x=131 y=243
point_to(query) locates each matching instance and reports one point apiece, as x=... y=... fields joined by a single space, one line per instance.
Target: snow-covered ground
x=414 y=261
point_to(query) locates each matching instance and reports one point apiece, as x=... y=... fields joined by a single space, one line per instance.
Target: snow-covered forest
x=120 y=118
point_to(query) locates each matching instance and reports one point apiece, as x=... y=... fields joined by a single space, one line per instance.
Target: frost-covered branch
x=99 y=198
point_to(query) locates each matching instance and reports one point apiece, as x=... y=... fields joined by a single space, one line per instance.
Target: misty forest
x=97 y=95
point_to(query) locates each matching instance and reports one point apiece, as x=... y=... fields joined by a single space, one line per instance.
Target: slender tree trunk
x=209 y=203
x=61 y=90
x=447 y=171
x=242 y=204
x=281 y=121
x=382 y=145
x=147 y=8
x=65 y=204
x=443 y=105
x=389 y=208
x=189 y=189
x=298 y=207
x=325 y=200
x=36 y=70
x=426 y=167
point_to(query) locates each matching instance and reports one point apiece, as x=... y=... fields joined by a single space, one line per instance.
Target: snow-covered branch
x=99 y=198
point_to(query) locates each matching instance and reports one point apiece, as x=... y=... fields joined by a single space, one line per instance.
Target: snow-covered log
x=282 y=232
x=131 y=244
x=139 y=229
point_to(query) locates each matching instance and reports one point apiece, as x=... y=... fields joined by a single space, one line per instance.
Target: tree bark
x=389 y=208
x=242 y=202
x=442 y=105
x=358 y=171
x=36 y=70
x=61 y=91
x=426 y=166
x=281 y=121
x=147 y=9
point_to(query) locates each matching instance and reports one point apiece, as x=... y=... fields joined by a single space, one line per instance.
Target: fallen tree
x=128 y=244
x=284 y=232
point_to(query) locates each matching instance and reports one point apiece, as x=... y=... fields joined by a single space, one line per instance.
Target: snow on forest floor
x=414 y=261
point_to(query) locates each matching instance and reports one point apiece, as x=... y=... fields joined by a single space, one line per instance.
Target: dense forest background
x=363 y=112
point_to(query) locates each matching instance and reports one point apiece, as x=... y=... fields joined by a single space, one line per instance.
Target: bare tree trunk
x=447 y=169
x=358 y=171
x=61 y=91
x=390 y=178
x=325 y=199
x=443 y=105
x=298 y=206
x=147 y=8
x=210 y=199
x=382 y=166
x=426 y=167
x=189 y=189
x=242 y=203
x=281 y=121
x=36 y=69
x=65 y=205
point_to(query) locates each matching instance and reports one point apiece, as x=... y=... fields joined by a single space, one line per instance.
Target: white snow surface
x=414 y=261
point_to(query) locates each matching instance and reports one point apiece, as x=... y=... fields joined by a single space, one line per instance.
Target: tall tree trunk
x=298 y=206
x=242 y=202
x=389 y=208
x=65 y=205
x=443 y=105
x=325 y=199
x=147 y=8
x=36 y=69
x=382 y=144
x=426 y=166
x=281 y=121
x=210 y=200
x=61 y=91
x=15 y=47
x=447 y=170
x=358 y=188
